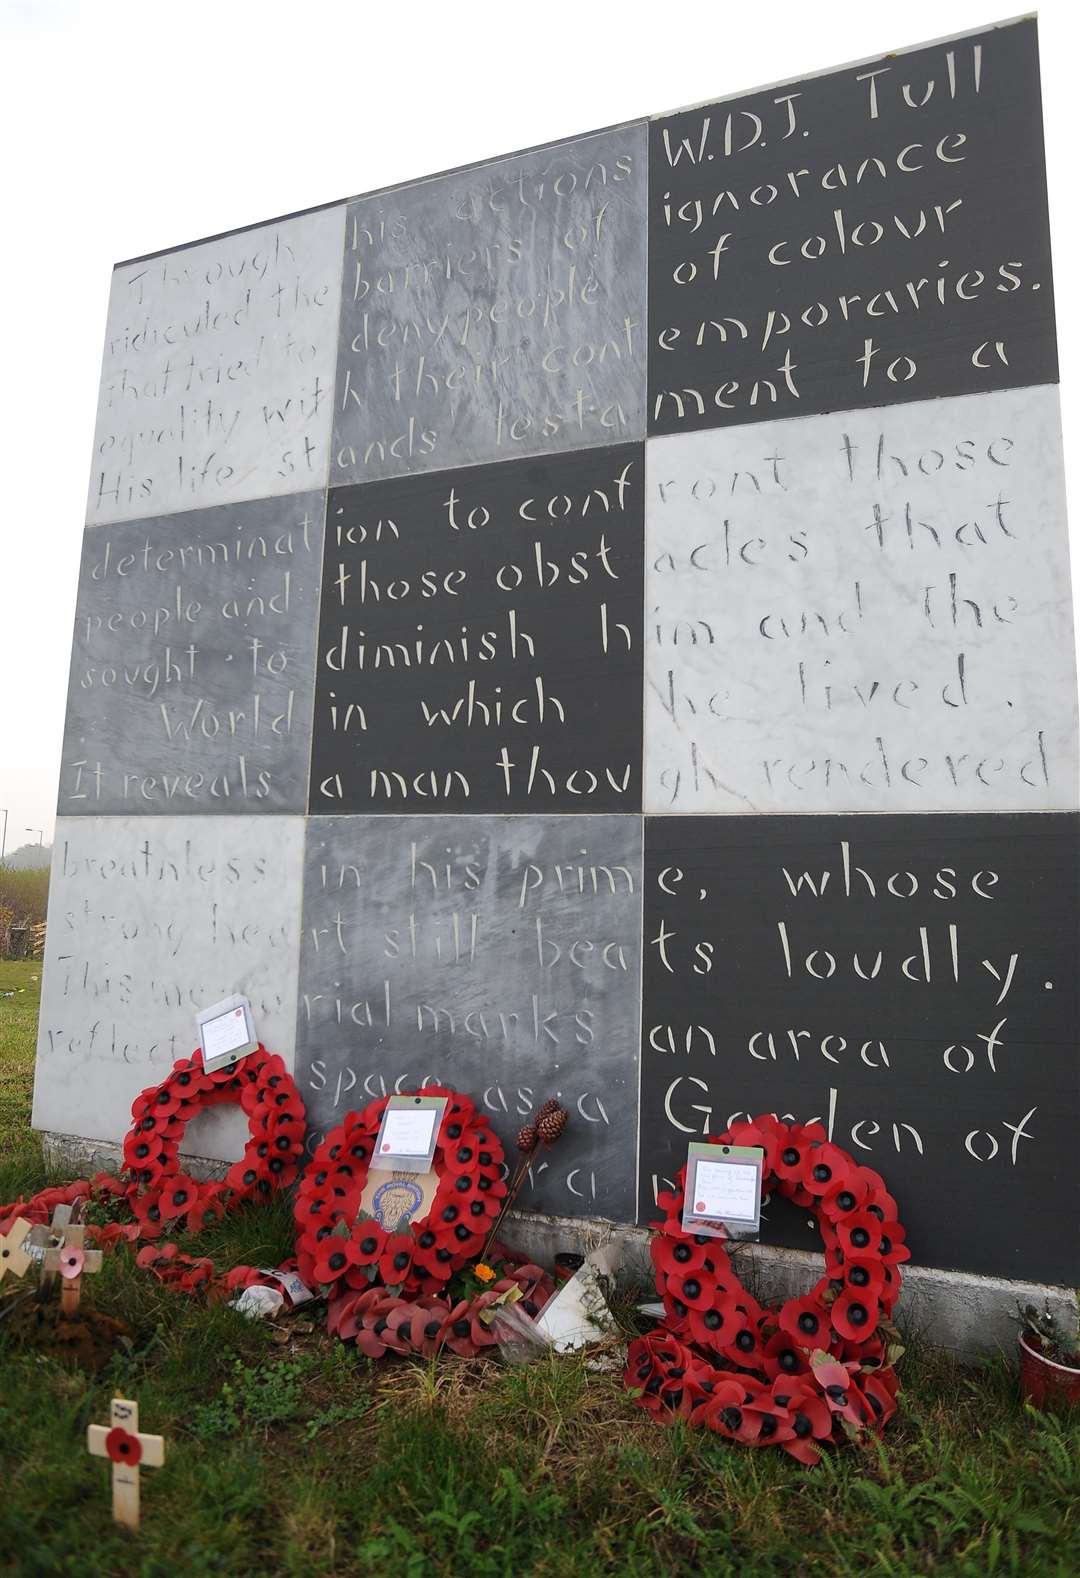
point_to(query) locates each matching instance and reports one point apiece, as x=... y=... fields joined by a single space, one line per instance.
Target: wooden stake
x=128 y=1450
x=13 y=1256
x=60 y=1240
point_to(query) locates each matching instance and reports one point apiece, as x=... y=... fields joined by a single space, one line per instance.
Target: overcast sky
x=131 y=125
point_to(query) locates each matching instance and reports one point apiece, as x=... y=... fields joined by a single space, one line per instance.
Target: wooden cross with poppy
x=64 y=1243
x=128 y=1450
x=13 y=1256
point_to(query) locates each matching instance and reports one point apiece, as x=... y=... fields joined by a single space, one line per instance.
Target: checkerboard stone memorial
x=218 y=371
x=495 y=312
x=193 y=662
x=692 y=486
x=863 y=237
x=460 y=611
x=498 y=955
x=152 y=918
x=908 y=981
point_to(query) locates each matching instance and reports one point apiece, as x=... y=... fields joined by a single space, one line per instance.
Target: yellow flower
x=485 y=1273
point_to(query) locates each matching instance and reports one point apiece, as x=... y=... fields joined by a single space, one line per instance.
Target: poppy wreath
x=817 y=1367
x=160 y=1193
x=337 y=1251
x=377 y=1322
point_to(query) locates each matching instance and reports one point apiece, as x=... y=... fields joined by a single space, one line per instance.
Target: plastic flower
x=810 y=1419
x=485 y=1273
x=859 y=1234
x=854 y=1314
x=805 y=1320
x=395 y=1262
x=784 y=1357
x=826 y=1167
x=122 y=1446
x=71 y=1262
x=333 y=1258
x=728 y=1414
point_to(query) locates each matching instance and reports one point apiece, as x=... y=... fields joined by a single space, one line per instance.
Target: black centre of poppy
x=732 y=1418
x=790 y=1156
x=183 y=1079
x=335 y=1152
x=450 y=1214
x=262 y=1148
x=858 y=1314
x=465 y=1154
x=822 y=1174
x=462 y=1233
x=250 y=1175
x=713 y=1320
x=180 y=1196
x=838 y=1395
x=744 y=1341
x=337 y=1260
x=680 y=1308
x=874 y=1403
x=147 y=1124
x=789 y=1360
x=154 y=1214
x=768 y=1427
x=431 y=1330
x=677 y=1373
x=477 y=1208
x=808 y=1322
x=858 y=1276
x=706 y=1386
x=483 y=1183
x=484 y=1158
x=403 y=1331
x=368 y=1245
x=681 y=1252
x=875 y=1210
x=443 y=1255
x=275 y=1164
x=283 y=1142
x=380 y=1327
x=427 y=1239
x=461 y=1328
x=401 y=1260
x=462 y=1185
x=803 y=1426
x=845 y=1200
x=324 y=1232
x=691 y=1287
x=530 y=1306
x=860 y=1237
x=453 y=1131
x=142 y=1150
x=320 y=1179
x=886 y=1244
x=163 y=1098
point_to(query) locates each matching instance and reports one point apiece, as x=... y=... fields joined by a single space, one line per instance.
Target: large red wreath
x=817 y=1365
x=160 y=1192
x=338 y=1251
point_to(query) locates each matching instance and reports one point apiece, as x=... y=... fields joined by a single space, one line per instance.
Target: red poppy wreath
x=338 y=1247
x=160 y=1192
x=817 y=1366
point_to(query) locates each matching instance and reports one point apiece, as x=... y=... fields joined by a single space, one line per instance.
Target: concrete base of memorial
x=971 y=1316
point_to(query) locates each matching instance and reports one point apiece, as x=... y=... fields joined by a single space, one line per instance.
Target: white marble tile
x=151 y=918
x=862 y=611
x=217 y=378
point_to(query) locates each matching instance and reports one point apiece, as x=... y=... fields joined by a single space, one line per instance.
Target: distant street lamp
x=40 y=833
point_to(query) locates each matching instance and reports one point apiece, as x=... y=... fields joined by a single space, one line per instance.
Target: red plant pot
x=1043 y=1381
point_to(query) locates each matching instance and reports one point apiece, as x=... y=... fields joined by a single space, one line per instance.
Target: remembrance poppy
x=805 y=1320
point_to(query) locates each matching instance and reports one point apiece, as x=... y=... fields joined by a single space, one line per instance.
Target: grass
x=301 y=1459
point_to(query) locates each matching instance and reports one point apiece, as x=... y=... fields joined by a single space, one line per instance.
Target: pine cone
x=551 y=1105
x=551 y=1124
x=526 y=1139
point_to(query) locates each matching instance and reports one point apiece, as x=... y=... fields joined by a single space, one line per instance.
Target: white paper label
x=407 y=1131
x=225 y=1034
x=726 y=1191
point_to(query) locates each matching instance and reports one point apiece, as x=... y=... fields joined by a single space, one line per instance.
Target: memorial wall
x=599 y=623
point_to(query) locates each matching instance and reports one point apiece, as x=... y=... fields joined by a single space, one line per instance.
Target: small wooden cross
x=128 y=1450
x=13 y=1256
x=66 y=1254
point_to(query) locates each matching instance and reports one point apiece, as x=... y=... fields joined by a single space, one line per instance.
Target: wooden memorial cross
x=13 y=1256
x=64 y=1243
x=128 y=1450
